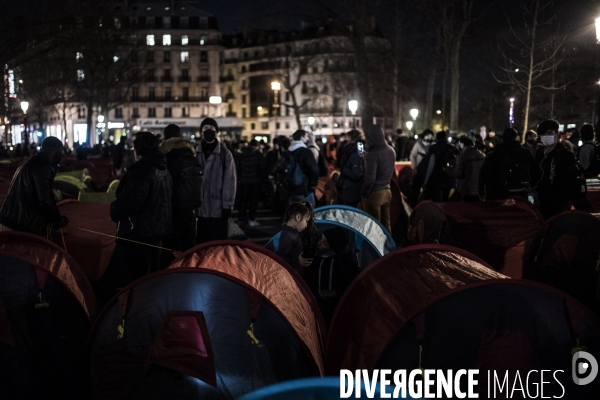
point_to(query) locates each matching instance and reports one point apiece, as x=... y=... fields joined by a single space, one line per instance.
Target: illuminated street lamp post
x=100 y=127
x=409 y=125
x=414 y=113
x=511 y=112
x=276 y=87
x=215 y=100
x=25 y=107
x=353 y=107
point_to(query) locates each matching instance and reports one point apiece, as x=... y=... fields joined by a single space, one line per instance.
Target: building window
x=150 y=24
x=166 y=40
x=135 y=94
x=244 y=85
x=185 y=75
x=150 y=56
x=133 y=22
x=151 y=77
x=78 y=56
x=167 y=93
x=243 y=69
x=185 y=56
x=203 y=56
x=253 y=126
x=203 y=40
x=118 y=112
x=168 y=112
x=287 y=125
x=151 y=93
x=264 y=126
x=167 y=74
x=243 y=99
x=81 y=112
x=184 y=23
x=277 y=125
x=135 y=112
x=151 y=112
x=244 y=112
x=304 y=87
x=287 y=111
x=186 y=93
x=185 y=40
x=167 y=56
x=203 y=23
x=117 y=23
x=166 y=23
x=134 y=56
x=80 y=75
x=184 y=112
x=204 y=94
x=149 y=40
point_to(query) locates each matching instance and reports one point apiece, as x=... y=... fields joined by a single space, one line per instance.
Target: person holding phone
x=352 y=169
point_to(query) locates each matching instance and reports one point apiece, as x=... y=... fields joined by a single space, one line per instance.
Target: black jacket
x=489 y=183
x=30 y=205
x=252 y=166
x=351 y=177
x=555 y=173
x=310 y=168
x=143 y=205
x=181 y=156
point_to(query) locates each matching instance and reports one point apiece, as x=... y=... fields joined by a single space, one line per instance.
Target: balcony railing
x=204 y=79
x=227 y=78
x=178 y=99
x=184 y=79
x=166 y=79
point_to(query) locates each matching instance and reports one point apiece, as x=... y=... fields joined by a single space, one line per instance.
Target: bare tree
x=532 y=53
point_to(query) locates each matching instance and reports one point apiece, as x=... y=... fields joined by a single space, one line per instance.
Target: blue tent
x=371 y=238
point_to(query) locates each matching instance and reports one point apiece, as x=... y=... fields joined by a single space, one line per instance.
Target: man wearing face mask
x=531 y=144
x=30 y=205
x=220 y=180
x=555 y=172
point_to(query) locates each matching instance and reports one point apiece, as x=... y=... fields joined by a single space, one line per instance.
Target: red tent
x=388 y=293
x=496 y=231
x=226 y=318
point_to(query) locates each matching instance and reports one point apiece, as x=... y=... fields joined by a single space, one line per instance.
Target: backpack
x=448 y=163
x=289 y=171
x=189 y=185
x=593 y=170
x=513 y=172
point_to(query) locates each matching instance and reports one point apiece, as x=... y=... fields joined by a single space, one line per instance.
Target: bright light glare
x=353 y=106
x=275 y=85
x=414 y=113
x=597 y=29
x=409 y=125
x=311 y=120
x=512 y=99
x=214 y=100
x=184 y=40
x=24 y=106
x=166 y=40
x=150 y=40
x=438 y=112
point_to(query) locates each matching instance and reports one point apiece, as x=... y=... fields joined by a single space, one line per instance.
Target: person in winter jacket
x=305 y=158
x=30 y=205
x=468 y=166
x=419 y=150
x=439 y=179
x=507 y=170
x=187 y=176
x=143 y=210
x=555 y=172
x=531 y=144
x=219 y=185
x=251 y=171
x=379 y=168
x=352 y=170
x=587 y=150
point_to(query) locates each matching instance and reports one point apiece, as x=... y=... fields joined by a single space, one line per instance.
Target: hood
x=296 y=144
x=176 y=143
x=375 y=136
x=156 y=158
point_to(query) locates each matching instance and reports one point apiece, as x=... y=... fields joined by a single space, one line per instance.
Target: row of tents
x=229 y=318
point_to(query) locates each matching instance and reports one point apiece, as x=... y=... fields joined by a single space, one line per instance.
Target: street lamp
x=275 y=87
x=409 y=125
x=100 y=126
x=353 y=106
x=311 y=120
x=414 y=113
x=25 y=107
x=511 y=112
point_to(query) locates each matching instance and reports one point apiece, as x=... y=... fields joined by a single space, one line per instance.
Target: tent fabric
x=138 y=353
x=502 y=325
x=47 y=256
x=269 y=275
x=566 y=255
x=427 y=224
x=388 y=293
x=490 y=229
x=101 y=169
x=46 y=309
x=91 y=250
x=360 y=222
x=309 y=389
x=104 y=198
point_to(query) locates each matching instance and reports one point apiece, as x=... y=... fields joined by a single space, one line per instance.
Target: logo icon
x=584 y=368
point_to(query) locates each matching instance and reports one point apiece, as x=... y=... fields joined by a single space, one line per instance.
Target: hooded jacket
x=220 y=180
x=554 y=173
x=143 y=205
x=468 y=167
x=181 y=156
x=379 y=162
x=309 y=167
x=30 y=205
x=489 y=183
x=252 y=165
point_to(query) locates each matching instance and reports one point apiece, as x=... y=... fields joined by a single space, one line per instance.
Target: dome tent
x=370 y=238
x=387 y=294
x=46 y=309
x=250 y=322
x=566 y=255
x=512 y=328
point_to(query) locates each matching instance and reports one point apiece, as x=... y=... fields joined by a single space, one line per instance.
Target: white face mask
x=548 y=140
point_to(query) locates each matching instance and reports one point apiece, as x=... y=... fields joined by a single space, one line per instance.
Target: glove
x=64 y=221
x=226 y=213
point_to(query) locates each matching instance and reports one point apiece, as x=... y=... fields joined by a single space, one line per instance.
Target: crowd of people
x=174 y=193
